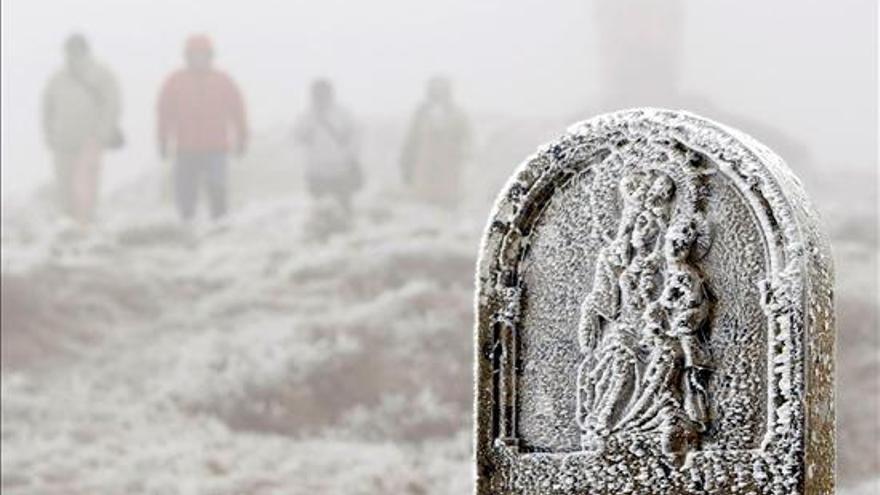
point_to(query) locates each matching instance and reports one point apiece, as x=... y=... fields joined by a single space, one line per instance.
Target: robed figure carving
x=644 y=324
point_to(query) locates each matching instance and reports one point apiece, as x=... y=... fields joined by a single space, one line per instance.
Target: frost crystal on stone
x=654 y=315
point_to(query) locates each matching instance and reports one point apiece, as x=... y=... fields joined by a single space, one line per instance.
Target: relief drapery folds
x=643 y=324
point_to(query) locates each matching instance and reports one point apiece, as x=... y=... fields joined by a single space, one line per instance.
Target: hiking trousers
x=196 y=171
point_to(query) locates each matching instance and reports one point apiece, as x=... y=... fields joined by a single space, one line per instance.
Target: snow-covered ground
x=240 y=358
x=246 y=357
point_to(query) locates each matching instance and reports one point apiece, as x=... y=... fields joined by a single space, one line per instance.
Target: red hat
x=199 y=43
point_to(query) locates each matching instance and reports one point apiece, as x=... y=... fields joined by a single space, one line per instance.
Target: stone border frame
x=797 y=300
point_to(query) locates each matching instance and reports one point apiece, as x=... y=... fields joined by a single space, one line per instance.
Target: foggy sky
x=805 y=67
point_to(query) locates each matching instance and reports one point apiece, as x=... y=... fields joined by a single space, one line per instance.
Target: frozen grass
x=246 y=358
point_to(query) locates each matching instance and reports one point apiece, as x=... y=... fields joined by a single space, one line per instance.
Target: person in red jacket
x=202 y=119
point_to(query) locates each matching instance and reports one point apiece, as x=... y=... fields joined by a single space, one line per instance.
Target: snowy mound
x=239 y=358
x=247 y=357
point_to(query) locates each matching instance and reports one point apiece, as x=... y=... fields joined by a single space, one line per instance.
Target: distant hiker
x=329 y=137
x=436 y=147
x=201 y=117
x=81 y=108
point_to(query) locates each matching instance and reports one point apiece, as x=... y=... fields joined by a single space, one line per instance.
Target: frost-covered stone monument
x=655 y=316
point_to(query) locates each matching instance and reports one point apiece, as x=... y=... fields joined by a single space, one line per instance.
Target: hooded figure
x=437 y=144
x=329 y=137
x=81 y=108
x=201 y=116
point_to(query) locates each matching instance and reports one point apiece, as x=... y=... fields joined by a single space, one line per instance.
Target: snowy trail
x=249 y=362
x=247 y=358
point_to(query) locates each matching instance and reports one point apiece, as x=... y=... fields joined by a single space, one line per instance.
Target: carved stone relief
x=654 y=316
